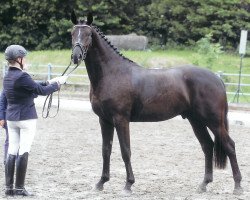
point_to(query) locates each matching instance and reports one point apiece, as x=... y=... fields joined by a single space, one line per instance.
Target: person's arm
x=25 y=82
x=42 y=83
x=3 y=107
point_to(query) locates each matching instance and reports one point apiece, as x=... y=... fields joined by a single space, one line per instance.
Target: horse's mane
x=109 y=43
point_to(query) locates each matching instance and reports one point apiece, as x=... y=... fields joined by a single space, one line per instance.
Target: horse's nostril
x=80 y=57
x=75 y=59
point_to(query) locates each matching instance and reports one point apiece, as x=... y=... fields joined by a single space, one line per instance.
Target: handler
x=21 y=116
x=3 y=124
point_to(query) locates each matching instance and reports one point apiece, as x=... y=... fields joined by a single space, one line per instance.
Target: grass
x=227 y=63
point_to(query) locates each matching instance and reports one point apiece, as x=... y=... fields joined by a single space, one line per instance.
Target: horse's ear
x=89 y=18
x=73 y=17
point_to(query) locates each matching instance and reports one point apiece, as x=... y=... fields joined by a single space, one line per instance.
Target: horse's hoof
x=238 y=191
x=98 y=187
x=126 y=192
x=201 y=189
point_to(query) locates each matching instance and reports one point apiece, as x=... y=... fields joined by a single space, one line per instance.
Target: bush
x=209 y=51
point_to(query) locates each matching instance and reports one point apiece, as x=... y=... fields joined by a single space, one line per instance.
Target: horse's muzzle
x=79 y=54
x=76 y=58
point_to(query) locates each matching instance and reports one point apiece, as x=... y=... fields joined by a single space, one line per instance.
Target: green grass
x=61 y=57
x=227 y=63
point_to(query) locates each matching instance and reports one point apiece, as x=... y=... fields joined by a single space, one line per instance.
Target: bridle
x=83 y=48
x=49 y=98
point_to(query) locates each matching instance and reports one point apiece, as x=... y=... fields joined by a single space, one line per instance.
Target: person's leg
x=9 y=174
x=27 y=134
x=13 y=137
x=28 y=130
x=13 y=133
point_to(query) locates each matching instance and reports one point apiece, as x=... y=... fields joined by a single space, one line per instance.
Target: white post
x=49 y=71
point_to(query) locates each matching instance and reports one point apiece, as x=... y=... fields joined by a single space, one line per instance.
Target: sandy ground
x=66 y=162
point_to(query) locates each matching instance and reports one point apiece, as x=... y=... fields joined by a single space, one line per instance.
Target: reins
x=48 y=101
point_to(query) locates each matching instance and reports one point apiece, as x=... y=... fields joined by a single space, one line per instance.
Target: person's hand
x=2 y=122
x=53 y=80
x=60 y=79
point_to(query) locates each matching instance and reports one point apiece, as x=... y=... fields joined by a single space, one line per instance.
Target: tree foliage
x=39 y=24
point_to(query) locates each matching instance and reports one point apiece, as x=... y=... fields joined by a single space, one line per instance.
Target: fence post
x=49 y=71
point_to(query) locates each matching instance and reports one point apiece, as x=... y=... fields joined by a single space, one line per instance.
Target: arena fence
x=237 y=86
x=79 y=78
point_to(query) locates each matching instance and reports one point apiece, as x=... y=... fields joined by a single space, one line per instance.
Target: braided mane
x=109 y=43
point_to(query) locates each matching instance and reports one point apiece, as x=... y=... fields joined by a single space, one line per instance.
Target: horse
x=121 y=92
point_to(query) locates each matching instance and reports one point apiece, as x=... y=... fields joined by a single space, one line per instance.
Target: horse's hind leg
x=225 y=145
x=107 y=140
x=207 y=145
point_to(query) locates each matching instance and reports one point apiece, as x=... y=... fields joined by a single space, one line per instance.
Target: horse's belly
x=150 y=118
x=154 y=115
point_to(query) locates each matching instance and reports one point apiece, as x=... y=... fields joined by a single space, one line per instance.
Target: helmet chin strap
x=20 y=63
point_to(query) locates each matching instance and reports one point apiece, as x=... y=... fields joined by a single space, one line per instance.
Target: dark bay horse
x=123 y=92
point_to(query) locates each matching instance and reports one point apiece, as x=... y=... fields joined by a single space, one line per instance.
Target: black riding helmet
x=13 y=52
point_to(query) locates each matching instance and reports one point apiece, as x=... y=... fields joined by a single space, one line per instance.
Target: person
x=3 y=124
x=20 y=90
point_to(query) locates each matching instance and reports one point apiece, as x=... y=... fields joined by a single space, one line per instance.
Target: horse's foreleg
x=107 y=140
x=122 y=128
x=207 y=145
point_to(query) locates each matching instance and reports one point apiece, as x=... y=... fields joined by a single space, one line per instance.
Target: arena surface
x=66 y=161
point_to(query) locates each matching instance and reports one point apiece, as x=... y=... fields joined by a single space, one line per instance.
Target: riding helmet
x=13 y=52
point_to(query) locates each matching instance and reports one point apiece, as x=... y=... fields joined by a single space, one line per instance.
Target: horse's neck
x=101 y=59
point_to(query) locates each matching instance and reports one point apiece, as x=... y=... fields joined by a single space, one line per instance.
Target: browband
x=82 y=25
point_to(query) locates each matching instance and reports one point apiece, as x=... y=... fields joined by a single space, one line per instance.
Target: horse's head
x=81 y=37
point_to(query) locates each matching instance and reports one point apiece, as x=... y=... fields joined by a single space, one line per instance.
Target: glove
x=60 y=79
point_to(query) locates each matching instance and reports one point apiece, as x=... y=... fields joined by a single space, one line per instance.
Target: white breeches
x=21 y=136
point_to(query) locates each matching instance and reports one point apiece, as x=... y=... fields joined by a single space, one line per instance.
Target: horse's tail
x=220 y=156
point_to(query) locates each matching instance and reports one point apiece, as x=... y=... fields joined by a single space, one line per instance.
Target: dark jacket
x=20 y=90
x=3 y=107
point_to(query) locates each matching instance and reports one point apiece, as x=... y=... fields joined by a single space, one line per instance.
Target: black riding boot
x=21 y=167
x=9 y=174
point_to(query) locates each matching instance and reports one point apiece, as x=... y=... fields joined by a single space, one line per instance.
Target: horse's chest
x=100 y=108
x=96 y=106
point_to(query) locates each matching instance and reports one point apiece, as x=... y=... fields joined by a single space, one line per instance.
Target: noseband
x=83 y=49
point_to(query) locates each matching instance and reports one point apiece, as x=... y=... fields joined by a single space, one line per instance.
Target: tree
x=186 y=21
x=39 y=24
x=36 y=24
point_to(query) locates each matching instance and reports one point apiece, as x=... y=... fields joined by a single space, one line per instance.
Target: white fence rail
x=238 y=85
